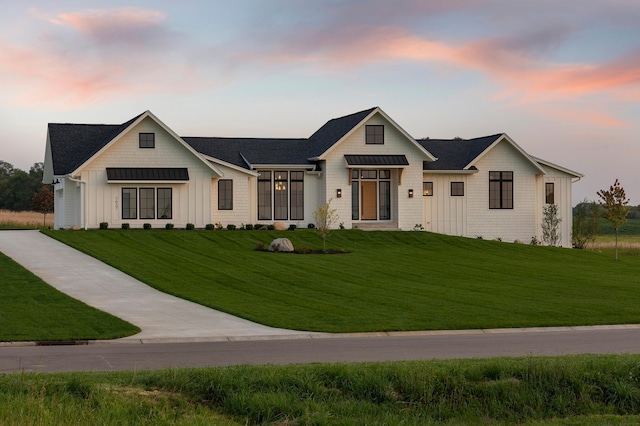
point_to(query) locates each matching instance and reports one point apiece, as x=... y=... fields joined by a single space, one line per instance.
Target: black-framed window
x=384 y=200
x=147 y=203
x=225 y=194
x=500 y=190
x=549 y=193
x=280 y=195
x=129 y=203
x=297 y=195
x=374 y=134
x=165 y=205
x=264 y=195
x=147 y=140
x=457 y=189
x=427 y=189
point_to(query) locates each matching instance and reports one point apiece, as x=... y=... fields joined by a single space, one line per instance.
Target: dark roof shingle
x=455 y=154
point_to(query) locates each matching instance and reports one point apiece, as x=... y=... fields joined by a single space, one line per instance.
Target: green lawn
x=32 y=310
x=388 y=281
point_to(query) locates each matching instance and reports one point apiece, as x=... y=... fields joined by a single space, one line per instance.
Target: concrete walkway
x=161 y=317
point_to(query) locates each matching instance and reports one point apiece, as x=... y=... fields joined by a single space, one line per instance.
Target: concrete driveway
x=160 y=316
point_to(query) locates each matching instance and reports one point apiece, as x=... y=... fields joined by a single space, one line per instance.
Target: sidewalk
x=160 y=316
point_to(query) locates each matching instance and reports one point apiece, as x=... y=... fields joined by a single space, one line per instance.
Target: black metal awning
x=376 y=160
x=148 y=173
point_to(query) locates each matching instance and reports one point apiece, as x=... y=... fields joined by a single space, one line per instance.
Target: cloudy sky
x=562 y=78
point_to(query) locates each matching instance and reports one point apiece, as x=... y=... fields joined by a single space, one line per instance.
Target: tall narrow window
x=147 y=140
x=225 y=194
x=129 y=203
x=500 y=190
x=147 y=203
x=457 y=189
x=374 y=135
x=164 y=203
x=280 y=198
x=549 y=193
x=384 y=199
x=427 y=189
x=264 y=195
x=355 y=194
x=297 y=195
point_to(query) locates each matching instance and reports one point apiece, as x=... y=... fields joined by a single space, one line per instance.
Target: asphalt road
x=471 y=344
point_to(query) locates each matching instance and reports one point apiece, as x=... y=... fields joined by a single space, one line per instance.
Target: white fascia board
x=377 y=110
x=450 y=172
x=505 y=137
x=229 y=165
x=559 y=168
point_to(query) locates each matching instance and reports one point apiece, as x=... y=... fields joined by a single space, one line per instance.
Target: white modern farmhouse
x=377 y=175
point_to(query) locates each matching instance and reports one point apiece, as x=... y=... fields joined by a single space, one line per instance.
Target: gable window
x=225 y=194
x=164 y=203
x=374 y=135
x=549 y=193
x=457 y=189
x=129 y=203
x=147 y=203
x=427 y=189
x=500 y=190
x=147 y=140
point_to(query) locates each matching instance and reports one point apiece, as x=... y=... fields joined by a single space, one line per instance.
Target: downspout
x=83 y=222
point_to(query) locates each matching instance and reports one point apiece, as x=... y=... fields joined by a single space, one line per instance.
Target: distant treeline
x=17 y=187
x=631 y=227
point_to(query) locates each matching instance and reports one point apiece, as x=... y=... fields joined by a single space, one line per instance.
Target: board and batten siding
x=405 y=211
x=444 y=213
x=191 y=200
x=562 y=196
x=243 y=198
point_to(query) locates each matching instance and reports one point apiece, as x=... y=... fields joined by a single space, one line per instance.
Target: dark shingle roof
x=73 y=144
x=376 y=160
x=455 y=154
x=254 y=150
x=147 y=173
x=333 y=130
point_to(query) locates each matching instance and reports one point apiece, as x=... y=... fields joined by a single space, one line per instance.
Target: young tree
x=325 y=217
x=42 y=202
x=615 y=206
x=585 y=223
x=550 y=224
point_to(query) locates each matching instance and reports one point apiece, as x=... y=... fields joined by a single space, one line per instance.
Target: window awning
x=148 y=173
x=376 y=160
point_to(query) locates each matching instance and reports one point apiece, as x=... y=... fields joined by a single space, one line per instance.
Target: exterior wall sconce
x=339 y=193
x=411 y=193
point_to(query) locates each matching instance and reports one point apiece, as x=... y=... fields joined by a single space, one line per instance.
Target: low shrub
x=231 y=227
x=190 y=227
x=260 y=246
x=271 y=227
x=292 y=227
x=248 y=227
x=125 y=226
x=146 y=226
x=219 y=226
x=168 y=226
x=209 y=227
x=311 y=226
x=104 y=225
x=257 y=226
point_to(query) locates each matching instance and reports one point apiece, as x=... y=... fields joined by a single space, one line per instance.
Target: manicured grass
x=32 y=310
x=589 y=390
x=388 y=281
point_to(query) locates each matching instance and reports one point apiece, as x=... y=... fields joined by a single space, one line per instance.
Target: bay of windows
x=146 y=203
x=280 y=195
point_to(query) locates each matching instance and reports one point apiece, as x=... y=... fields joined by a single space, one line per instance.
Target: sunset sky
x=562 y=78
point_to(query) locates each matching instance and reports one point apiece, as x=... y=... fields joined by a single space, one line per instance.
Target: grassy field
x=32 y=310
x=388 y=281
x=24 y=220
x=585 y=390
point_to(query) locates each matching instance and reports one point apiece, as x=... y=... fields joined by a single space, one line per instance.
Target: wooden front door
x=369 y=200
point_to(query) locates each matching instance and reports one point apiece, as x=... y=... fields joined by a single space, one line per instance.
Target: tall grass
x=581 y=389
x=24 y=220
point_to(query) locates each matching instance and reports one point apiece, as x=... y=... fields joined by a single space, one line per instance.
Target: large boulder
x=281 y=244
